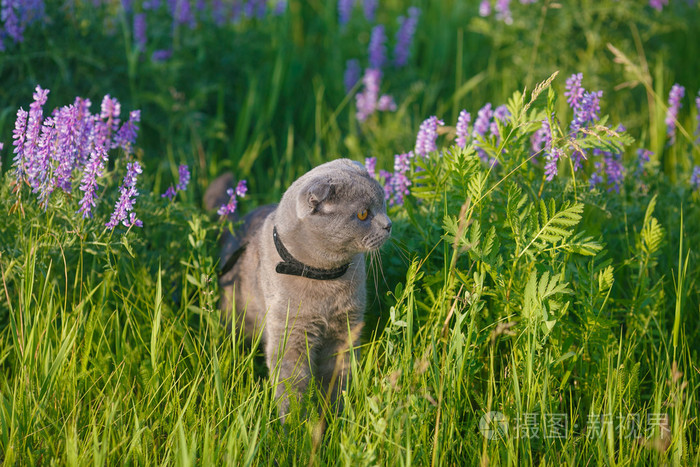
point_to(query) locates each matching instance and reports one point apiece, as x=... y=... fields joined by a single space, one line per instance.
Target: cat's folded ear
x=313 y=195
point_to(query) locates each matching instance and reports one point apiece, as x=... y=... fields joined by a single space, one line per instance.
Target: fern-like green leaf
x=554 y=225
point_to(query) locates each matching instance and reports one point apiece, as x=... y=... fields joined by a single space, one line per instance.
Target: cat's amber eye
x=362 y=215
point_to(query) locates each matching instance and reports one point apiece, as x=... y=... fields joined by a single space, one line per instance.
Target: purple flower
x=181 y=12
x=13 y=27
x=404 y=36
x=140 y=32
x=184 y=177
x=396 y=184
x=39 y=173
x=344 y=11
x=241 y=188
x=65 y=151
x=366 y=101
x=587 y=110
x=230 y=207
x=500 y=114
x=577 y=156
x=386 y=178
x=399 y=187
x=19 y=138
x=402 y=163
x=643 y=157
x=503 y=12
x=427 y=136
x=695 y=178
x=371 y=166
x=697 y=106
x=614 y=171
x=377 y=47
x=542 y=138
x=352 y=74
x=110 y=109
x=93 y=170
x=151 y=4
x=386 y=103
x=485 y=8
x=658 y=5
x=574 y=90
x=126 y=136
x=84 y=124
x=463 y=128
x=674 y=105
x=483 y=121
x=169 y=193
x=550 y=166
x=280 y=7
x=34 y=123
x=122 y=210
x=161 y=55
x=596 y=177
x=369 y=7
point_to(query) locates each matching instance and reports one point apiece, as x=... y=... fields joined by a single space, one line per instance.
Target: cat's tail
x=216 y=196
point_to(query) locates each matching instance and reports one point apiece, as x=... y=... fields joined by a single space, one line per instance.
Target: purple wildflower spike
x=658 y=5
x=674 y=106
x=386 y=103
x=463 y=128
x=485 y=8
x=366 y=101
x=126 y=136
x=169 y=193
x=232 y=204
x=241 y=188
x=140 y=37
x=503 y=12
x=369 y=7
x=483 y=121
x=550 y=167
x=404 y=36
x=93 y=171
x=596 y=177
x=643 y=157
x=125 y=204
x=352 y=74
x=66 y=147
x=587 y=111
x=344 y=11
x=695 y=178
x=697 y=106
x=184 y=177
x=371 y=166
x=427 y=135
x=574 y=90
x=377 y=47
x=19 y=139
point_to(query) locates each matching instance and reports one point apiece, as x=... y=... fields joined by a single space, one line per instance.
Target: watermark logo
x=493 y=425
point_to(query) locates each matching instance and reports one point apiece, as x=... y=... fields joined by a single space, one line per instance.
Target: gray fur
x=317 y=221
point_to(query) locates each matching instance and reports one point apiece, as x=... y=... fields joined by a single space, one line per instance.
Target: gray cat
x=296 y=273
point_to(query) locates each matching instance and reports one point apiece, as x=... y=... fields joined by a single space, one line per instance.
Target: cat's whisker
x=381 y=269
x=375 y=277
x=402 y=250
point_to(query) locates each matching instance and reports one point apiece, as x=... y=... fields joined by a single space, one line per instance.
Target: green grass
x=571 y=312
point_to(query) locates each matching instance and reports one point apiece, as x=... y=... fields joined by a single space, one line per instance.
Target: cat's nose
x=387 y=227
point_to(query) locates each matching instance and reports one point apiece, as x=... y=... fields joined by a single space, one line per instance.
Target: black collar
x=294 y=267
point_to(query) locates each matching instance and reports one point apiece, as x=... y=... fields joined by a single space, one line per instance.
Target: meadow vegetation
x=538 y=301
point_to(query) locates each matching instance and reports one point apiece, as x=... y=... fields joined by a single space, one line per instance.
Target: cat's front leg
x=334 y=366
x=288 y=362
